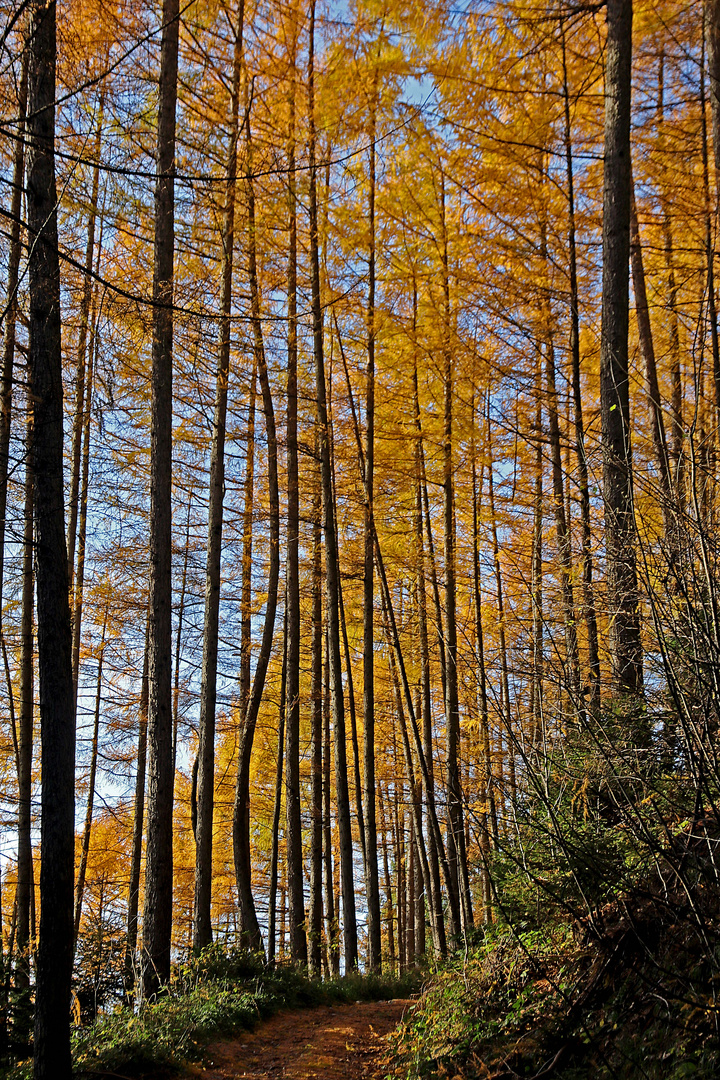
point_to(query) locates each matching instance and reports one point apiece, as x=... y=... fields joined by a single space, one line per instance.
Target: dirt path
x=340 y=1042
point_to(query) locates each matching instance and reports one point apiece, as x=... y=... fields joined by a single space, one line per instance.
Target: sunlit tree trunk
x=277 y=807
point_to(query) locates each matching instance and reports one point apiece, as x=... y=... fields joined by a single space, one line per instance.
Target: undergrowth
x=215 y=995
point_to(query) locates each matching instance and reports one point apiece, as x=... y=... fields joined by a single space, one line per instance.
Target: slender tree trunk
x=455 y=841
x=298 y=942
x=675 y=449
x=505 y=684
x=538 y=645
x=316 y=746
x=11 y=309
x=275 y=840
x=157 y=914
x=130 y=974
x=389 y=906
x=485 y=793
x=583 y=481
x=241 y=809
x=87 y=829
x=372 y=887
x=202 y=933
x=57 y=712
x=647 y=350
x=333 y=945
x=24 y=889
x=331 y=554
x=178 y=635
x=246 y=586
x=85 y=323
x=624 y=617
x=79 y=587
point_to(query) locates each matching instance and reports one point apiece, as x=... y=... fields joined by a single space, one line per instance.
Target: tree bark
x=202 y=932
x=583 y=481
x=624 y=617
x=130 y=973
x=85 y=323
x=157 y=913
x=24 y=889
x=316 y=746
x=87 y=829
x=57 y=712
x=241 y=809
x=275 y=840
x=331 y=553
x=11 y=309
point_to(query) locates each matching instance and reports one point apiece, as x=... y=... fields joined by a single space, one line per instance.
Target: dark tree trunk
x=11 y=309
x=372 y=887
x=275 y=838
x=80 y=406
x=241 y=809
x=57 y=711
x=202 y=932
x=157 y=912
x=316 y=746
x=130 y=974
x=24 y=890
x=583 y=481
x=623 y=614
x=87 y=829
x=331 y=556
x=298 y=942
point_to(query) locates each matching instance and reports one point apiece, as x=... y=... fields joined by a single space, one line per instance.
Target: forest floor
x=332 y=1042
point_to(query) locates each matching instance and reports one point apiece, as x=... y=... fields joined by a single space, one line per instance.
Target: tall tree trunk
x=624 y=617
x=202 y=932
x=316 y=746
x=298 y=942
x=583 y=480
x=24 y=889
x=331 y=552
x=85 y=323
x=372 y=886
x=538 y=659
x=178 y=635
x=57 y=712
x=505 y=678
x=79 y=586
x=157 y=912
x=675 y=449
x=241 y=809
x=247 y=550
x=275 y=839
x=455 y=840
x=87 y=829
x=11 y=310
x=331 y=934
x=485 y=792
x=130 y=973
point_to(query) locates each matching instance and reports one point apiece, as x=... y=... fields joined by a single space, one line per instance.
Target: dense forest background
x=391 y=530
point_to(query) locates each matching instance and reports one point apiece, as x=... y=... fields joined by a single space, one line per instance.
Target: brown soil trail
x=340 y=1042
